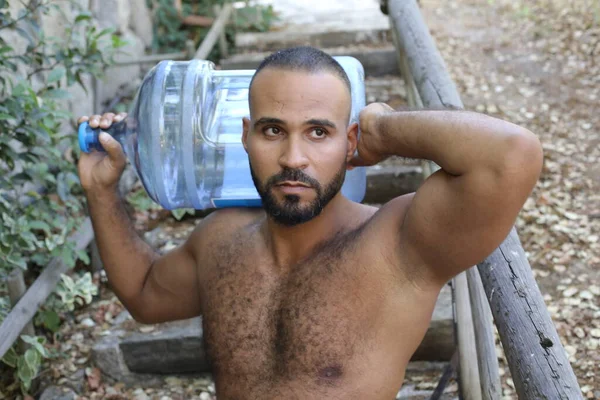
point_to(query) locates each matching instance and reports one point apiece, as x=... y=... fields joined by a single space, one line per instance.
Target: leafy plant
x=41 y=201
x=71 y=293
x=27 y=365
x=168 y=34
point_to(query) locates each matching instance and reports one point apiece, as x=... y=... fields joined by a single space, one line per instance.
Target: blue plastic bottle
x=183 y=135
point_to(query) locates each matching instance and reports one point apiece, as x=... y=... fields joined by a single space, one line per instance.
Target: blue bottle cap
x=87 y=137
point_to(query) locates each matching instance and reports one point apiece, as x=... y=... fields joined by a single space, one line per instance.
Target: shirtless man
x=315 y=296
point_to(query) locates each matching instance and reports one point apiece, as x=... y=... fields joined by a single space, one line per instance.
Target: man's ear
x=246 y=129
x=352 y=141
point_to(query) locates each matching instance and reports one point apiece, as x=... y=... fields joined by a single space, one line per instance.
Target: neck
x=290 y=244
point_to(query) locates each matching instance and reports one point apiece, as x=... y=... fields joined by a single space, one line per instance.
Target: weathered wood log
x=468 y=363
x=16 y=289
x=507 y=269
x=213 y=35
x=537 y=360
x=489 y=372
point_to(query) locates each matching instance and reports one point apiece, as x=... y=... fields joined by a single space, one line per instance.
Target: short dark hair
x=306 y=59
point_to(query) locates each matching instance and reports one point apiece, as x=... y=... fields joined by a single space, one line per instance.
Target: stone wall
x=133 y=22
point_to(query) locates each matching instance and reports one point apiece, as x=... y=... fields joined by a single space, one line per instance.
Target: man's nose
x=293 y=155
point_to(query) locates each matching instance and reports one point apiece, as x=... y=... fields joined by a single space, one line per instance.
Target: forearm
x=126 y=257
x=458 y=141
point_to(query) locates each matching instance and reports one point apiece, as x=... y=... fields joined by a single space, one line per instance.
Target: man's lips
x=293 y=184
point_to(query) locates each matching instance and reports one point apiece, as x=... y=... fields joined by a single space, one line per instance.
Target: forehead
x=298 y=94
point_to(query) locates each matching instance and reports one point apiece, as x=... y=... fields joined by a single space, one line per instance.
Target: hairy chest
x=311 y=324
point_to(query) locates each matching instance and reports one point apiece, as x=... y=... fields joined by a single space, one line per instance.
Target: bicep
x=454 y=222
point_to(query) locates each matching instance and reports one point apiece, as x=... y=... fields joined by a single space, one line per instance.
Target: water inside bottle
x=228 y=97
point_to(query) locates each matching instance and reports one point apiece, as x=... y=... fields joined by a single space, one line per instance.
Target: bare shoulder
x=220 y=226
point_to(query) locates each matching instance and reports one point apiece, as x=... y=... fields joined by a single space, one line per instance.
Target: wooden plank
x=468 y=363
x=537 y=360
x=224 y=52
x=16 y=289
x=436 y=89
x=213 y=35
x=489 y=372
x=28 y=305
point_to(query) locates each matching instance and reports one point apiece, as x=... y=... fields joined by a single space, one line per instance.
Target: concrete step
x=131 y=352
x=377 y=61
x=320 y=37
x=387 y=182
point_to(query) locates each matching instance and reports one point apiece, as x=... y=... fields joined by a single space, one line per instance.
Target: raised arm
x=153 y=288
x=465 y=210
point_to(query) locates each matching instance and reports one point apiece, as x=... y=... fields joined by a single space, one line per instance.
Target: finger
x=94 y=121
x=106 y=120
x=82 y=119
x=122 y=115
x=114 y=150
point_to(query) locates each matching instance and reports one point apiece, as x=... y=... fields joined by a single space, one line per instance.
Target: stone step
x=131 y=352
x=387 y=182
x=320 y=37
x=377 y=61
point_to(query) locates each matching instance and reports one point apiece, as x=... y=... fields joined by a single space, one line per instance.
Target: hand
x=371 y=147
x=98 y=170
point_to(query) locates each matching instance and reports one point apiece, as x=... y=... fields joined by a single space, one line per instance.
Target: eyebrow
x=313 y=121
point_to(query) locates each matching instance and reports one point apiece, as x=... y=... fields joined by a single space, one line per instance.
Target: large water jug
x=183 y=135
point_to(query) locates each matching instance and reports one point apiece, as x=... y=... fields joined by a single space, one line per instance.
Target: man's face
x=298 y=141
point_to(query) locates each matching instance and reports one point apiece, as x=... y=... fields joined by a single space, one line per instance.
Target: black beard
x=290 y=213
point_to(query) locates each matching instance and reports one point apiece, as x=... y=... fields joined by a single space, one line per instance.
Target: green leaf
x=58 y=94
x=5 y=117
x=33 y=359
x=10 y=358
x=25 y=372
x=50 y=319
x=17 y=260
x=37 y=343
x=83 y=17
x=56 y=75
x=83 y=256
x=41 y=225
x=105 y=31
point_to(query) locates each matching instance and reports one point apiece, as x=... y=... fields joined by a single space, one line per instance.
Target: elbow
x=138 y=310
x=523 y=160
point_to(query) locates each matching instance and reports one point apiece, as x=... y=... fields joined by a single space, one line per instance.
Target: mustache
x=292 y=175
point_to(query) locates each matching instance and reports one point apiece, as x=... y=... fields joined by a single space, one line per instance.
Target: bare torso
x=342 y=323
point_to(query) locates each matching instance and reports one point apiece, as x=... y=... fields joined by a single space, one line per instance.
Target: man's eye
x=318 y=133
x=272 y=131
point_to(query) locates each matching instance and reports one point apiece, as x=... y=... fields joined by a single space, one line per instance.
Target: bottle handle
x=88 y=137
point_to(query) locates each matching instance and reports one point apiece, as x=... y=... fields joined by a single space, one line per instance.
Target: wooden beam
x=16 y=289
x=213 y=35
x=538 y=362
x=222 y=38
x=507 y=270
x=468 y=363
x=28 y=305
x=489 y=372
